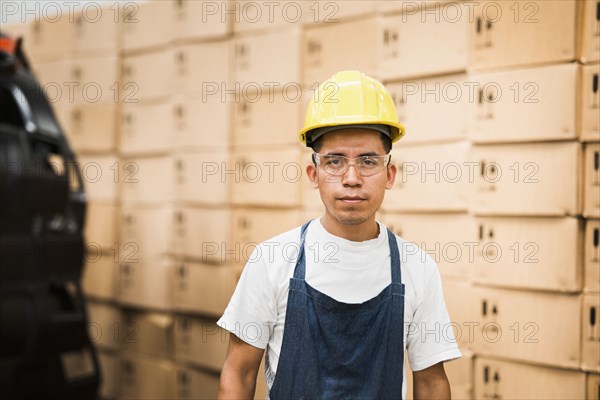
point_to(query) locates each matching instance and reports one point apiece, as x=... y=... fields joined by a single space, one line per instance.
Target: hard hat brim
x=311 y=134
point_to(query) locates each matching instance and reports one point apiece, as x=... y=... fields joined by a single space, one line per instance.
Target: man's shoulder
x=277 y=251
x=289 y=236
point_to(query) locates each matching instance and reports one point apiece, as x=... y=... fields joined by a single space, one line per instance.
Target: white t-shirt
x=349 y=272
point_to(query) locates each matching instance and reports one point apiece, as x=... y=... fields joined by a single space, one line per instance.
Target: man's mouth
x=351 y=199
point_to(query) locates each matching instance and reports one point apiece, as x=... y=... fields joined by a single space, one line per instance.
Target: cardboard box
x=438 y=236
x=520 y=33
x=522 y=179
x=50 y=36
x=522 y=253
x=97 y=30
x=192 y=71
x=249 y=16
x=106 y=327
x=200 y=341
x=145 y=377
x=188 y=122
x=588 y=40
x=591 y=264
x=150 y=333
x=411 y=46
x=193 y=383
x=93 y=128
x=339 y=11
x=461 y=304
x=63 y=113
x=515 y=324
x=55 y=80
x=146 y=286
x=273 y=120
x=203 y=122
x=149 y=76
x=55 y=72
x=100 y=276
x=267 y=178
x=149 y=181
x=147 y=129
x=100 y=175
x=201 y=19
x=324 y=54
x=590 y=333
x=147 y=234
x=593 y=387
x=534 y=104
x=253 y=226
x=201 y=178
x=203 y=234
x=268 y=61
x=446 y=98
x=218 y=235
x=590 y=103
x=430 y=178
x=140 y=32
x=203 y=288
x=96 y=80
x=591 y=206
x=101 y=231
x=110 y=374
x=405 y=6
x=510 y=380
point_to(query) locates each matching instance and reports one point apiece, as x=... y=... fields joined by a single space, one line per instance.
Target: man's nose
x=352 y=176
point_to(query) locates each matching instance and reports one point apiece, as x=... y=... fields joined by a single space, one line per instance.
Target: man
x=337 y=317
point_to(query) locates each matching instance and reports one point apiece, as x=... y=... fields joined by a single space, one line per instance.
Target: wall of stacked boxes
x=184 y=115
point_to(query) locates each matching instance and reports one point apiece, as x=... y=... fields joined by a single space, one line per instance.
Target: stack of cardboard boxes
x=430 y=199
x=185 y=114
x=171 y=137
x=525 y=203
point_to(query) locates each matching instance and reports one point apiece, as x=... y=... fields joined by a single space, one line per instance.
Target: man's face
x=352 y=199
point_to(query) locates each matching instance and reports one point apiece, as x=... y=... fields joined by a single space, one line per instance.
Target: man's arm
x=431 y=383
x=238 y=376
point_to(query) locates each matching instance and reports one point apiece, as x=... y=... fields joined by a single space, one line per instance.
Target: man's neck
x=357 y=233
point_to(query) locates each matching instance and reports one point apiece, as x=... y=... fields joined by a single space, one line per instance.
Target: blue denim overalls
x=334 y=350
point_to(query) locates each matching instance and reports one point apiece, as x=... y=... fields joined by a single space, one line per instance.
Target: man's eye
x=333 y=161
x=370 y=162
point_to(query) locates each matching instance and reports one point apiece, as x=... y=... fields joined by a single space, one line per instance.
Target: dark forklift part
x=45 y=351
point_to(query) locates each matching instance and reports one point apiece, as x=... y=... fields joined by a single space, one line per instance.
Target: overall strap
x=395 y=258
x=300 y=269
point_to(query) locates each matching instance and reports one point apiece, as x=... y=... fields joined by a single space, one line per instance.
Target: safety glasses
x=338 y=165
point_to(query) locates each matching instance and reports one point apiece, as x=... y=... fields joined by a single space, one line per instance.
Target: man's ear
x=391 y=176
x=312 y=173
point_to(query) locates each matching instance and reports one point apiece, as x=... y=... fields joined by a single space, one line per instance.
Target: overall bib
x=334 y=350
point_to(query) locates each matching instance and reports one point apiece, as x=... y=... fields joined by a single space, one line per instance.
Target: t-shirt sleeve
x=430 y=337
x=252 y=312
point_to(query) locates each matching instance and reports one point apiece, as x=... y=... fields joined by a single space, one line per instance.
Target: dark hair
x=387 y=143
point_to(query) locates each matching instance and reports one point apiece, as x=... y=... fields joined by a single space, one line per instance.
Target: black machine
x=45 y=351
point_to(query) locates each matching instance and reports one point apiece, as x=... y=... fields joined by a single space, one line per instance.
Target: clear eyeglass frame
x=337 y=165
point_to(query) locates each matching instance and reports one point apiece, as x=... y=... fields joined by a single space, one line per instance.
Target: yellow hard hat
x=351 y=98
